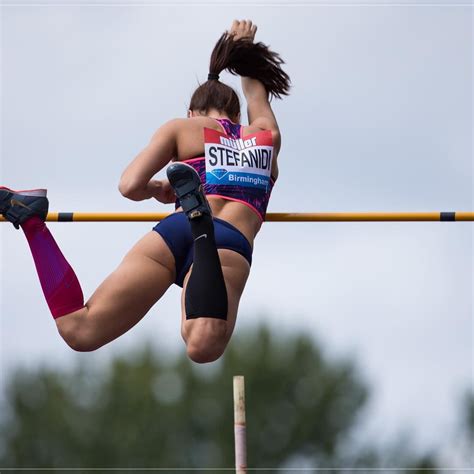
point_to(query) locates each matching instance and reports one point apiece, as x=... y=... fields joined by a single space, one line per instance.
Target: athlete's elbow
x=124 y=187
x=128 y=189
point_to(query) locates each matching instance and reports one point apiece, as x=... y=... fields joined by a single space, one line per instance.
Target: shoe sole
x=193 y=213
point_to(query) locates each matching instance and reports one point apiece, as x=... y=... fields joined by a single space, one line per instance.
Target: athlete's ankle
x=32 y=223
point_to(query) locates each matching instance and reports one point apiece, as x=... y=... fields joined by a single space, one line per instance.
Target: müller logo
x=238 y=144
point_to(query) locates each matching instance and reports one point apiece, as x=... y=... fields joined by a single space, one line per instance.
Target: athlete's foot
x=18 y=206
x=188 y=188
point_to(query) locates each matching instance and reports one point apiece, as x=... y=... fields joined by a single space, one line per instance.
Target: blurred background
x=356 y=339
x=149 y=410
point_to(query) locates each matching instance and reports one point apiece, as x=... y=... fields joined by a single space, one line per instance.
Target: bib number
x=238 y=162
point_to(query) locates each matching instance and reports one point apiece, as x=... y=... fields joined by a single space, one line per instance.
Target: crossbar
x=271 y=217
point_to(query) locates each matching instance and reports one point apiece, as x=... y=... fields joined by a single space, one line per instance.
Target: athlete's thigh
x=127 y=294
x=236 y=270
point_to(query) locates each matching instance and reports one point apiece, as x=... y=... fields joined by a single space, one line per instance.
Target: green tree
x=149 y=411
x=468 y=405
x=465 y=442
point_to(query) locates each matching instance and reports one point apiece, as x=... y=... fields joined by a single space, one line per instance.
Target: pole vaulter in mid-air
x=221 y=176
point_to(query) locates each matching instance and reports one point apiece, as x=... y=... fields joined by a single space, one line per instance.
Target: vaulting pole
x=239 y=425
x=271 y=217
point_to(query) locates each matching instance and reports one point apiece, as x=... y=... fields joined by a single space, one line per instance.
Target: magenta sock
x=60 y=285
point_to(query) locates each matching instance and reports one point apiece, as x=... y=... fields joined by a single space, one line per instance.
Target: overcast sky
x=379 y=119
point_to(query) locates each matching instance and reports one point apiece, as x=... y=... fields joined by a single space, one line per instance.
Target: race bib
x=240 y=162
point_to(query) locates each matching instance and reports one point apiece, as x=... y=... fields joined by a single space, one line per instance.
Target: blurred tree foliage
x=466 y=435
x=469 y=416
x=149 y=411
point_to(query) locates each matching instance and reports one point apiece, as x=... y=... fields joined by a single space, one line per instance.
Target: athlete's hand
x=243 y=29
x=163 y=192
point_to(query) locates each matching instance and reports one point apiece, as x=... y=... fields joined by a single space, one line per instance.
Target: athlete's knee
x=203 y=353
x=206 y=339
x=78 y=337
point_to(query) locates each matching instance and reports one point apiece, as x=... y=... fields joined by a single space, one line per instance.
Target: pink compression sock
x=60 y=285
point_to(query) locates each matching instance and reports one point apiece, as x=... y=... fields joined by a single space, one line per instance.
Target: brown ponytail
x=244 y=58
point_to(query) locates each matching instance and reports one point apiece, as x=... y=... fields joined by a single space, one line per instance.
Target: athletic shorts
x=176 y=232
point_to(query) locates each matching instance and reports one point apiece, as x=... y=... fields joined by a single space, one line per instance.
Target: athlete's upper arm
x=155 y=156
x=261 y=115
x=258 y=106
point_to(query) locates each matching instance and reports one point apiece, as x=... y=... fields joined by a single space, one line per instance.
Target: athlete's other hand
x=163 y=191
x=243 y=29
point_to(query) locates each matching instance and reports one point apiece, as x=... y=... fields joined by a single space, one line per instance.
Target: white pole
x=239 y=425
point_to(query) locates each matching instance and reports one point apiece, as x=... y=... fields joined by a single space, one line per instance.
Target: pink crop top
x=256 y=190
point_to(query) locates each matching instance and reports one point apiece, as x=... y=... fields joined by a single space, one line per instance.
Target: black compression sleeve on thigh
x=206 y=294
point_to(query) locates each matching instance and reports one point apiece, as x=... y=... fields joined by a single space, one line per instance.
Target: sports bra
x=256 y=198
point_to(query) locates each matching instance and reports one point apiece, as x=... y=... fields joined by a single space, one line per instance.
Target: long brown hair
x=244 y=58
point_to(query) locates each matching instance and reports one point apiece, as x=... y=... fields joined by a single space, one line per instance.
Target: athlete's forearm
x=140 y=193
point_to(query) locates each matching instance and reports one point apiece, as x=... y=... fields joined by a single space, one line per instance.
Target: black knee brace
x=206 y=294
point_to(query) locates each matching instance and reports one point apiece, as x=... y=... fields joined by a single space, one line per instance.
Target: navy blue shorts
x=176 y=232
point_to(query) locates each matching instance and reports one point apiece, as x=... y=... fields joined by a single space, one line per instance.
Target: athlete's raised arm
x=259 y=110
x=261 y=78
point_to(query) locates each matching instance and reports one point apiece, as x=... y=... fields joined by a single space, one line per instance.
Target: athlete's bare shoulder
x=201 y=122
x=189 y=137
x=194 y=123
x=250 y=129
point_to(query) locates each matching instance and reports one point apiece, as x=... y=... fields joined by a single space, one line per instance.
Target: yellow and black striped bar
x=272 y=216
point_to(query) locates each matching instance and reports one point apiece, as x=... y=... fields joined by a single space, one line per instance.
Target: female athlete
x=221 y=176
